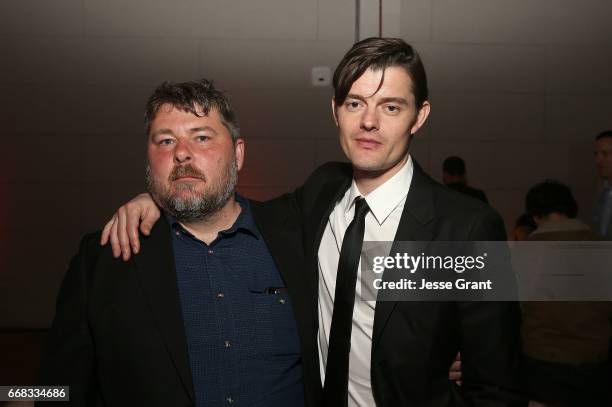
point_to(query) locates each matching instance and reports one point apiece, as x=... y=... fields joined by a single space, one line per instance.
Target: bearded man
x=202 y=315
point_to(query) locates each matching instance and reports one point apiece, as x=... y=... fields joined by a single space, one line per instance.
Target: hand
x=122 y=229
x=454 y=373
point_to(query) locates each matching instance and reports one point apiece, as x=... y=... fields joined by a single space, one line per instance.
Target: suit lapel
x=415 y=225
x=157 y=272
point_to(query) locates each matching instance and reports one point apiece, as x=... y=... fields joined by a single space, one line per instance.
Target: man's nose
x=369 y=119
x=182 y=152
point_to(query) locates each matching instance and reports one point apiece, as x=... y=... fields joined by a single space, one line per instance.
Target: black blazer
x=118 y=337
x=414 y=343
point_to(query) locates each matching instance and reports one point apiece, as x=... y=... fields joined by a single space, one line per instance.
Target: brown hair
x=380 y=53
x=191 y=97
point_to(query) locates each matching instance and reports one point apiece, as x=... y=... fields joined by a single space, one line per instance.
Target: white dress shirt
x=386 y=204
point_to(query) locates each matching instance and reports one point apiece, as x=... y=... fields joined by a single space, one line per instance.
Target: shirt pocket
x=276 y=329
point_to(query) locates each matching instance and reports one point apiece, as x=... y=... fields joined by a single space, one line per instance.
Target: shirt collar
x=244 y=222
x=384 y=199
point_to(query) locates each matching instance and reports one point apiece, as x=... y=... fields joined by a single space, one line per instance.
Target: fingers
x=122 y=229
x=106 y=231
x=140 y=211
x=132 y=221
x=114 y=238
x=454 y=373
x=454 y=376
x=124 y=241
x=149 y=217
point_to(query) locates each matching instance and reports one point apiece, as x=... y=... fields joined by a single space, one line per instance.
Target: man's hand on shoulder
x=122 y=229
x=454 y=373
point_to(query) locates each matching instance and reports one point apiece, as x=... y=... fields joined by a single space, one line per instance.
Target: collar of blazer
x=419 y=209
x=157 y=272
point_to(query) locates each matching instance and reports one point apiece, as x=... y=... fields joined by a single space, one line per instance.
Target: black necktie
x=336 y=372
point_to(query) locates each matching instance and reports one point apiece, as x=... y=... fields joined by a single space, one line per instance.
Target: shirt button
x=177 y=233
x=282 y=301
x=220 y=296
x=210 y=251
x=230 y=400
x=227 y=344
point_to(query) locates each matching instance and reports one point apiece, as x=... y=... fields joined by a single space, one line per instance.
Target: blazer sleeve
x=490 y=335
x=69 y=358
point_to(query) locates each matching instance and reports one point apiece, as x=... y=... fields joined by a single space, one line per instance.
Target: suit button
x=230 y=400
x=227 y=344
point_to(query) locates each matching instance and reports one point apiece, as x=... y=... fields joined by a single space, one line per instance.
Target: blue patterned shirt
x=239 y=324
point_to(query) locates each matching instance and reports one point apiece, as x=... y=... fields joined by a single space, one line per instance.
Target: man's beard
x=197 y=205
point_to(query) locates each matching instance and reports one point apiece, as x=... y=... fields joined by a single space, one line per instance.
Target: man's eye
x=392 y=108
x=165 y=142
x=353 y=105
x=202 y=138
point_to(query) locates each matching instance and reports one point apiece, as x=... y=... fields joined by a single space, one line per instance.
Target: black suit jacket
x=414 y=343
x=118 y=337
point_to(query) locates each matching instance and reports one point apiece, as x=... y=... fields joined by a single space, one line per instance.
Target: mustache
x=186 y=171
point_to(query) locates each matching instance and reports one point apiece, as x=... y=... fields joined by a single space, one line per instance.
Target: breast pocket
x=276 y=328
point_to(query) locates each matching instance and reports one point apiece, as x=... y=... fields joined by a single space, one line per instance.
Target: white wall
x=519 y=89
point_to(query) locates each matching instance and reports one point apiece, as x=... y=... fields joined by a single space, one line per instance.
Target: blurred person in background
x=454 y=176
x=602 y=215
x=565 y=344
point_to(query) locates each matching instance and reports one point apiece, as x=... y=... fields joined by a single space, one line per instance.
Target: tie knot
x=361 y=207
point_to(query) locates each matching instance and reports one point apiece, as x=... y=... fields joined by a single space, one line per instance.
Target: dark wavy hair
x=549 y=197
x=380 y=53
x=195 y=97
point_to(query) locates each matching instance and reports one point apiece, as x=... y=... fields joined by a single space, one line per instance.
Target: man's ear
x=239 y=151
x=333 y=104
x=421 y=117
